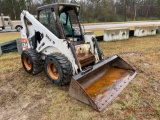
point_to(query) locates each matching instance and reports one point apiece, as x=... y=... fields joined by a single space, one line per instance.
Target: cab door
x=7 y=22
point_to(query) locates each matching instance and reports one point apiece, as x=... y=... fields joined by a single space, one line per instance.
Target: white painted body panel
x=49 y=43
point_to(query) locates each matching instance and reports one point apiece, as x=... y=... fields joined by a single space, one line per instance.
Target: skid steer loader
x=56 y=43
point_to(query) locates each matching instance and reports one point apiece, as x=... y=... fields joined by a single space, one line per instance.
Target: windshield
x=70 y=22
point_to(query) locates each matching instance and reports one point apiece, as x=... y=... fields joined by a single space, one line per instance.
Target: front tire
x=58 y=69
x=31 y=61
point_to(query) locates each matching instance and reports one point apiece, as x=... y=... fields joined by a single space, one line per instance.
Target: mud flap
x=103 y=83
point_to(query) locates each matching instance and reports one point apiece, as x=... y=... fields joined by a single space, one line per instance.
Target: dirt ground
x=27 y=97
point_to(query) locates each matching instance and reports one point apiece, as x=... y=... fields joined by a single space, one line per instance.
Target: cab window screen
x=48 y=19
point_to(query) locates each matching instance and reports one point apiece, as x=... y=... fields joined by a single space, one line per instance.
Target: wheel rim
x=18 y=28
x=53 y=71
x=27 y=63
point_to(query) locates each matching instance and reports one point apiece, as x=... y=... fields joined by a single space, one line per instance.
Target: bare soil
x=28 y=97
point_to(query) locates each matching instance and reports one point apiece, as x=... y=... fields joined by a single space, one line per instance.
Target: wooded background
x=92 y=10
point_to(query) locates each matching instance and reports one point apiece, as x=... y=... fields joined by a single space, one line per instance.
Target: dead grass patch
x=5 y=37
x=24 y=96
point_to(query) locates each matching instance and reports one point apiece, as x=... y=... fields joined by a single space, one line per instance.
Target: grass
x=5 y=37
x=98 y=32
x=24 y=96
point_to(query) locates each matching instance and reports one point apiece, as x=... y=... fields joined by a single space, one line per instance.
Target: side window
x=48 y=19
x=42 y=17
x=65 y=20
x=6 y=21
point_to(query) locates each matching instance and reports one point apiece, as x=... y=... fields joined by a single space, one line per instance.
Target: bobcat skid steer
x=56 y=43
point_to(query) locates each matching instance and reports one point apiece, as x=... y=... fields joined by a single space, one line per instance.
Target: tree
x=1 y=6
x=158 y=8
x=92 y=10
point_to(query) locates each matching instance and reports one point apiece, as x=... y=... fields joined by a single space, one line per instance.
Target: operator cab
x=62 y=20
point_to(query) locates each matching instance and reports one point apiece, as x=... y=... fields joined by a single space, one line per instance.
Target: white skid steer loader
x=55 y=42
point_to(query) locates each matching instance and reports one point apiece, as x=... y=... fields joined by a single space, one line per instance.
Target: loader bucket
x=103 y=83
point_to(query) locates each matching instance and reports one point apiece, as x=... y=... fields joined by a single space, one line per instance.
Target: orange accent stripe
x=24 y=40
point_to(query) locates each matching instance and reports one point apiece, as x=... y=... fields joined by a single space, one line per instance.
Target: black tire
x=18 y=28
x=31 y=61
x=58 y=69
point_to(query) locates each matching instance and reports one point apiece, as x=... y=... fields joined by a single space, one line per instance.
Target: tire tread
x=65 y=66
x=36 y=60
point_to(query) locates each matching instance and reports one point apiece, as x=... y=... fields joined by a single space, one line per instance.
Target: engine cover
x=83 y=49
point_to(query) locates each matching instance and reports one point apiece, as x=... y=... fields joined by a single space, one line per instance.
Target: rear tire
x=18 y=28
x=31 y=61
x=58 y=69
